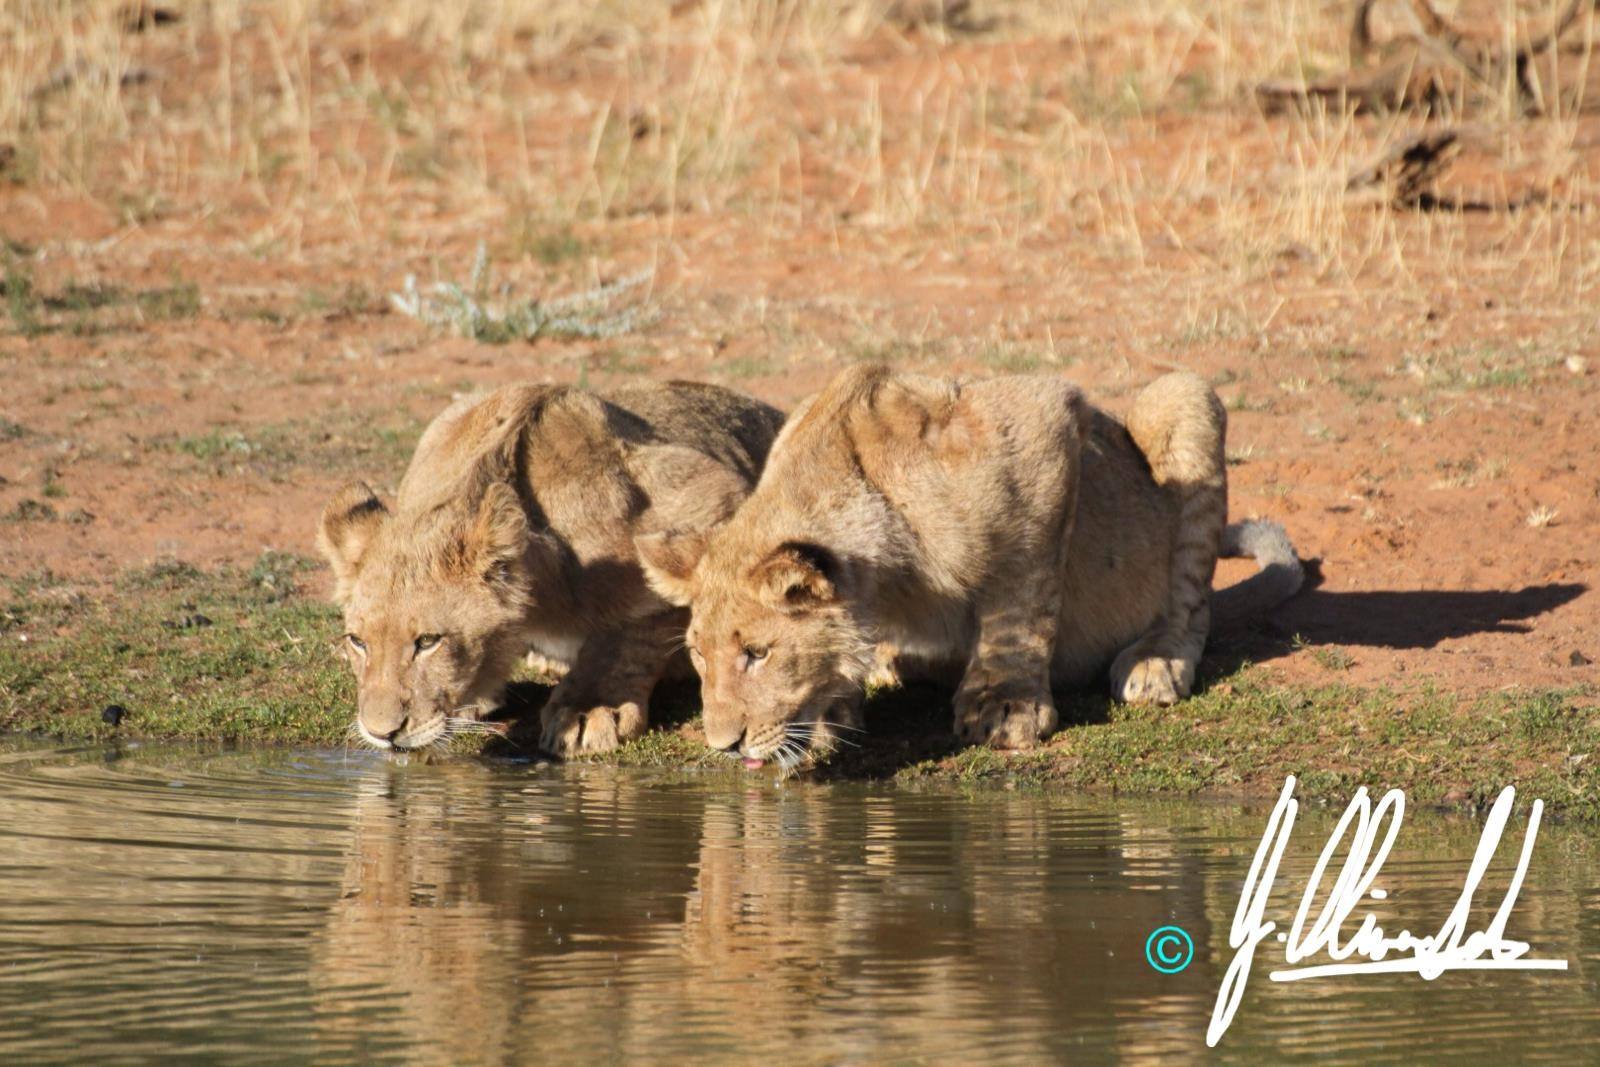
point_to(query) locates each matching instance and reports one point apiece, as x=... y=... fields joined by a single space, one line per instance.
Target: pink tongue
x=753 y=764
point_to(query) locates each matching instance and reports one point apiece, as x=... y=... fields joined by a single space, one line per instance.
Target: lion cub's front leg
x=1004 y=698
x=605 y=699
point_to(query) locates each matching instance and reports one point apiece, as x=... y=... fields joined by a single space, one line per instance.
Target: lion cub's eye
x=356 y=642
x=753 y=654
x=427 y=641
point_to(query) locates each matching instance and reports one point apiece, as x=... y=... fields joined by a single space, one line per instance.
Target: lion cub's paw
x=544 y=666
x=883 y=675
x=1004 y=717
x=568 y=731
x=1147 y=679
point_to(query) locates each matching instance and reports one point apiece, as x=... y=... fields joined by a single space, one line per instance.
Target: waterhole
x=275 y=906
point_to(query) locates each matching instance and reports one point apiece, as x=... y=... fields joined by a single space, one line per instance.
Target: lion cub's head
x=434 y=608
x=773 y=633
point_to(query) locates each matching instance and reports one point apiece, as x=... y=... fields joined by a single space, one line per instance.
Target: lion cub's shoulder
x=879 y=421
x=469 y=445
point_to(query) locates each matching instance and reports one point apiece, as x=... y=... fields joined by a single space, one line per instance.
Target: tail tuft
x=1280 y=577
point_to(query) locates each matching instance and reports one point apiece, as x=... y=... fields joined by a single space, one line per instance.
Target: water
x=271 y=906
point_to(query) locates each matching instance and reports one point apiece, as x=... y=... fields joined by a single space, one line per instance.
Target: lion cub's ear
x=669 y=559
x=798 y=575
x=345 y=531
x=497 y=542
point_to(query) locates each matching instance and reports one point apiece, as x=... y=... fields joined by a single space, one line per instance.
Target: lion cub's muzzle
x=402 y=730
x=724 y=736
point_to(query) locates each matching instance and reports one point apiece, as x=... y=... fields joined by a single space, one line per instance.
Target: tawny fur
x=1006 y=533
x=513 y=531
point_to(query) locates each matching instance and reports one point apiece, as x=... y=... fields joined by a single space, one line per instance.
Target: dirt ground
x=200 y=346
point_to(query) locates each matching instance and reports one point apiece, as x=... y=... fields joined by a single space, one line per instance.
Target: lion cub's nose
x=399 y=729
x=726 y=746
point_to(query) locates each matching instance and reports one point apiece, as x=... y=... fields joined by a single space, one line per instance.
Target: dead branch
x=1410 y=166
x=1472 y=45
x=1435 y=63
x=1410 y=169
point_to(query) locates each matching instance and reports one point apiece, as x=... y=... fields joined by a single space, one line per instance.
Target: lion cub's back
x=475 y=431
x=730 y=427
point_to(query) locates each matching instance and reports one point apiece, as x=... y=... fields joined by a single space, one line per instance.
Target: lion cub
x=514 y=531
x=1005 y=531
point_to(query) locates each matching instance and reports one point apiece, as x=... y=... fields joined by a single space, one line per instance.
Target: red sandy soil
x=1403 y=422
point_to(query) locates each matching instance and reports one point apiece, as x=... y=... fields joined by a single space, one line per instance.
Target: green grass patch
x=1486 y=367
x=86 y=309
x=481 y=311
x=550 y=244
x=1244 y=734
x=246 y=655
x=29 y=510
x=21 y=299
x=619 y=359
x=740 y=368
x=259 y=667
x=1007 y=358
x=345 y=444
x=349 y=302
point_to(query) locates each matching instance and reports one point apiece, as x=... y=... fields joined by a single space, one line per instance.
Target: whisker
x=790 y=758
x=813 y=728
x=846 y=726
x=794 y=749
x=469 y=726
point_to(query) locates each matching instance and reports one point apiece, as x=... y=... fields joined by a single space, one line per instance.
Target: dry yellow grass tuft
x=1003 y=121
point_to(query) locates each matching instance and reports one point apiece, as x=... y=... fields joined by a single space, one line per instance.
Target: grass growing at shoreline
x=237 y=655
x=245 y=655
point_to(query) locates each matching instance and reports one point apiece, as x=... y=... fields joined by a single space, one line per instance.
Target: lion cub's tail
x=1280 y=576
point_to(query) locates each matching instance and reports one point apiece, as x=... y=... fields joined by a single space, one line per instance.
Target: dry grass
x=1052 y=183
x=1542 y=516
x=1022 y=122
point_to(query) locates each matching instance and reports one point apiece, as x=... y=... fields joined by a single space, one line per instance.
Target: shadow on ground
x=1396 y=619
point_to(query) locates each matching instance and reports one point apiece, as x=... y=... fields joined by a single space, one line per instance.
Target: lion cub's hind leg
x=605 y=698
x=1159 y=668
x=1179 y=424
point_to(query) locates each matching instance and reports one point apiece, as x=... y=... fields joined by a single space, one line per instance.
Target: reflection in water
x=280 y=906
x=600 y=915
